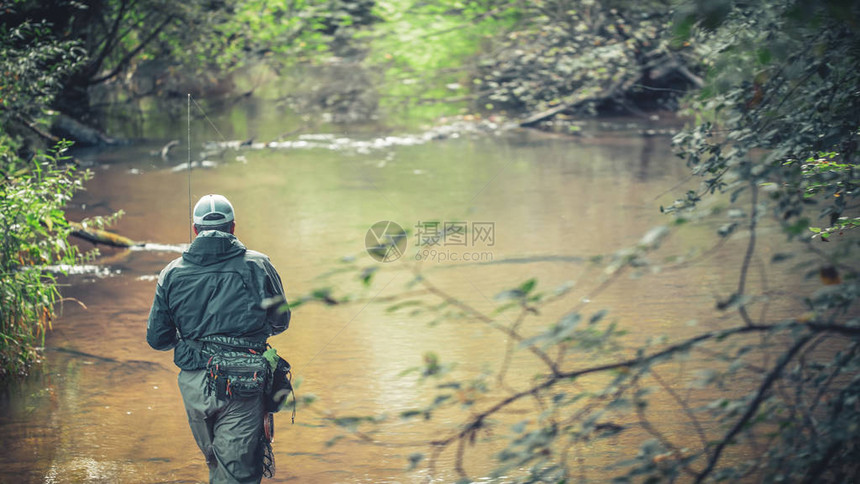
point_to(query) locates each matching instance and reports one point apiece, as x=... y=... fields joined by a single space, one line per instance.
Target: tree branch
x=128 y=57
x=668 y=444
x=555 y=378
x=32 y=126
x=490 y=322
x=111 y=38
x=685 y=407
x=509 y=348
x=569 y=375
x=748 y=256
x=753 y=406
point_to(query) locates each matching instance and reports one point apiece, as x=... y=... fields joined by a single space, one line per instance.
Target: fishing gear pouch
x=281 y=386
x=236 y=375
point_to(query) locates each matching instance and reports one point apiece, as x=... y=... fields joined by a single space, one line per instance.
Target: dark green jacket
x=217 y=289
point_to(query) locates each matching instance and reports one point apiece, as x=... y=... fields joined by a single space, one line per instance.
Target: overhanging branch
x=128 y=57
x=753 y=406
x=550 y=381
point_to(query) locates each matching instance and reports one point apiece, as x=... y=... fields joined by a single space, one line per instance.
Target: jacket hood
x=213 y=246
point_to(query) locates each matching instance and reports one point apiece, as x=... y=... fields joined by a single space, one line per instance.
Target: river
x=104 y=407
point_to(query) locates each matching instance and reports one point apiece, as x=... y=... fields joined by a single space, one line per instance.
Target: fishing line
x=349 y=322
x=207 y=119
x=224 y=140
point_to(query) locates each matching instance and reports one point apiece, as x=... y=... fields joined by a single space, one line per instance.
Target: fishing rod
x=190 y=207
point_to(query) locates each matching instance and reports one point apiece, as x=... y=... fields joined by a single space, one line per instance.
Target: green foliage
x=778 y=130
x=511 y=57
x=286 y=33
x=35 y=234
x=579 y=53
x=430 y=58
x=826 y=177
x=35 y=184
x=786 y=121
x=789 y=124
x=427 y=49
x=33 y=66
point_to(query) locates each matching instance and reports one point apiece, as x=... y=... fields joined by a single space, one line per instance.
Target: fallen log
x=658 y=70
x=537 y=117
x=576 y=99
x=30 y=124
x=83 y=135
x=97 y=236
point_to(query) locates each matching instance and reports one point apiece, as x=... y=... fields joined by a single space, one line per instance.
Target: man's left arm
x=277 y=315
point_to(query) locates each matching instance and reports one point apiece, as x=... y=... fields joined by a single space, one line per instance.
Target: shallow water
x=104 y=407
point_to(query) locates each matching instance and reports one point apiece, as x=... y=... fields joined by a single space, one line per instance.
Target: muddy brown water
x=104 y=407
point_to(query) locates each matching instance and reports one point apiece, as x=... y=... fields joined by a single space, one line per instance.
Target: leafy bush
x=35 y=185
x=35 y=234
x=585 y=55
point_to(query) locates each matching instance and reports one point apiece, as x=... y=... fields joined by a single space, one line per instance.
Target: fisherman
x=220 y=301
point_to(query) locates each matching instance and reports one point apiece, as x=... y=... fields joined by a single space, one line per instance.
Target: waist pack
x=280 y=386
x=237 y=375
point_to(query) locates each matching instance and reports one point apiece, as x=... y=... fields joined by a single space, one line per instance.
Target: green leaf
x=415 y=459
x=598 y=316
x=527 y=286
x=367 y=273
x=407 y=414
x=764 y=55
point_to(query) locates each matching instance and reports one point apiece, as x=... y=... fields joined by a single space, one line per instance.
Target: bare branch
x=112 y=38
x=551 y=380
x=748 y=256
x=685 y=407
x=668 y=444
x=509 y=348
x=490 y=322
x=570 y=375
x=128 y=57
x=32 y=126
x=752 y=408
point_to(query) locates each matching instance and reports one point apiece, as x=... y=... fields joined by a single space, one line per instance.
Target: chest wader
x=228 y=432
x=225 y=403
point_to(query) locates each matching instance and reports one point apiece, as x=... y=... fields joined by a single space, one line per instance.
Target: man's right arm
x=160 y=330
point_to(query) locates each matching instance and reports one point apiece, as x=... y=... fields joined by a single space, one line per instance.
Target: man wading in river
x=216 y=306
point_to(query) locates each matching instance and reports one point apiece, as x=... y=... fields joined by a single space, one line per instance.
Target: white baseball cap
x=212 y=210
